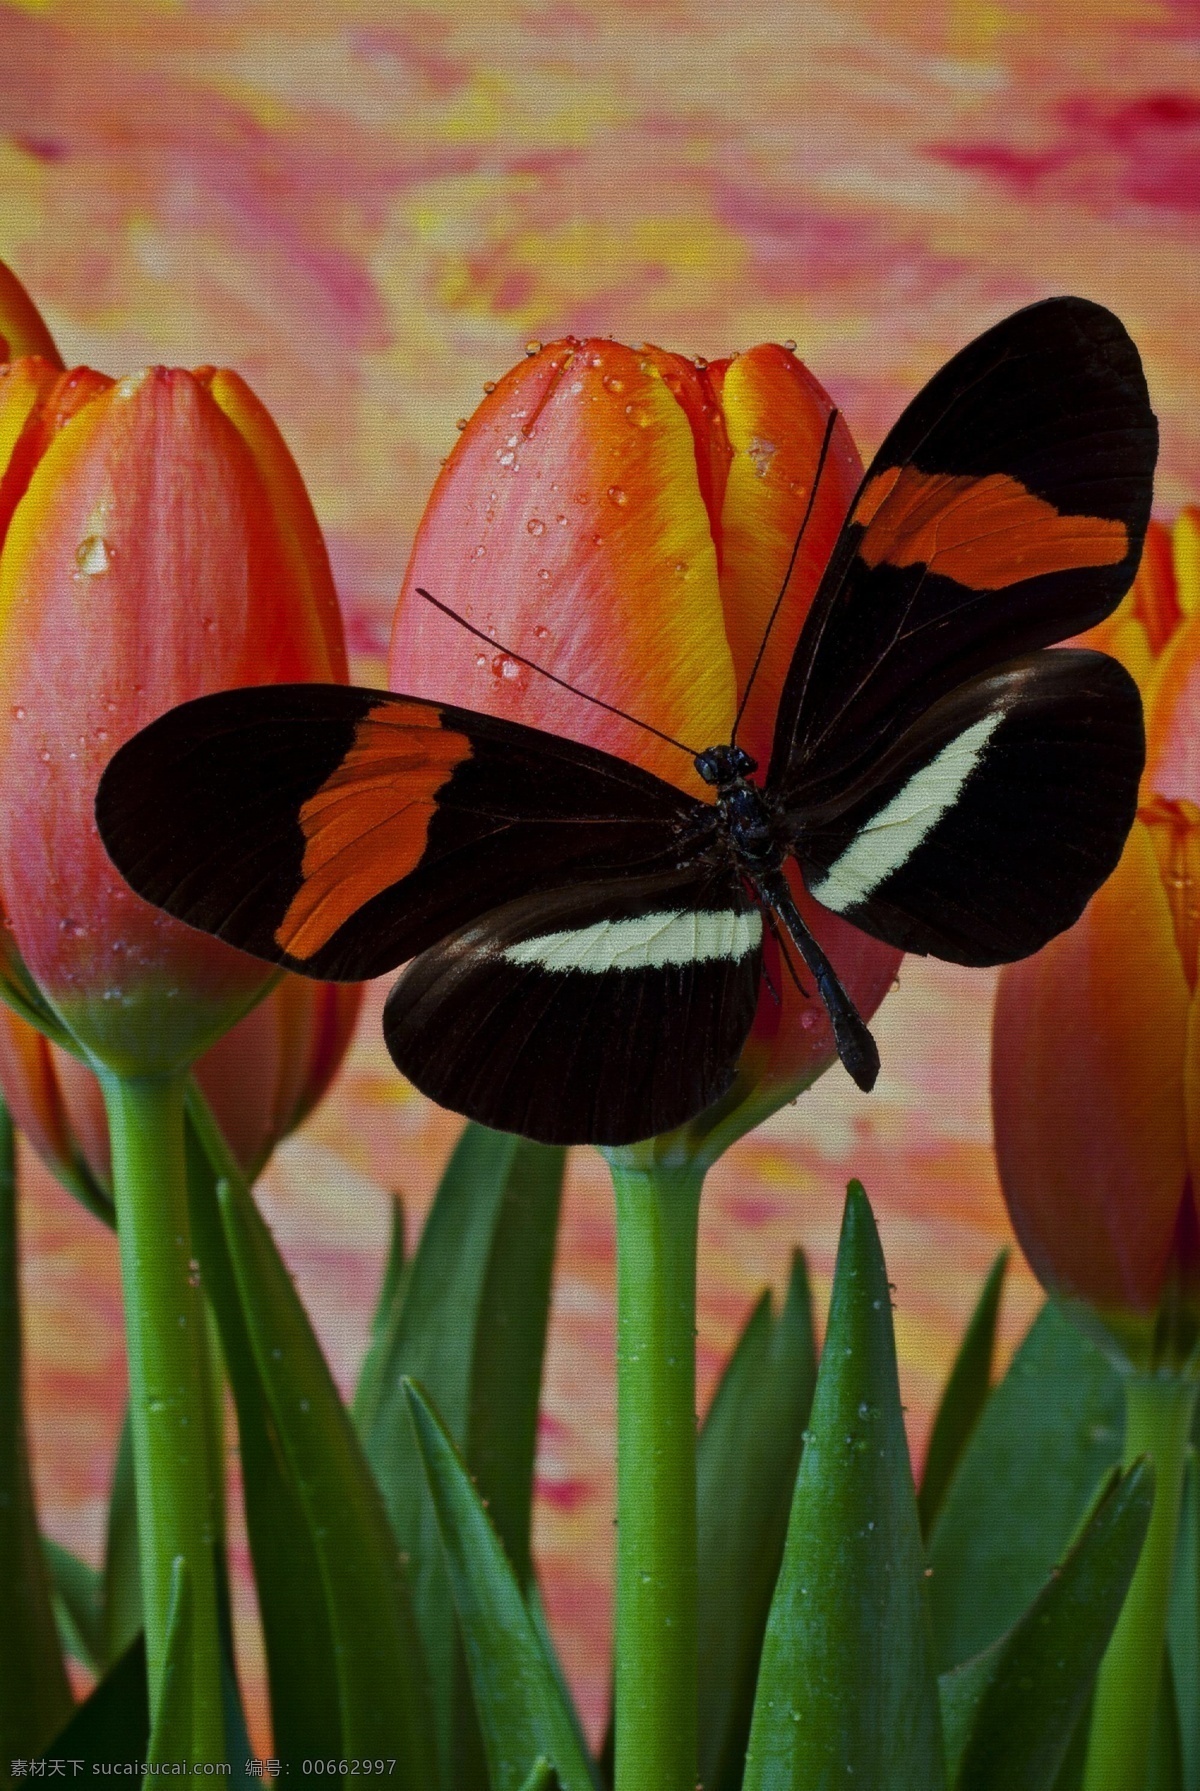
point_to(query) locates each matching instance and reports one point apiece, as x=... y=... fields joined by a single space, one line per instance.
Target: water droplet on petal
x=480 y=551
x=19 y=712
x=532 y=348
x=699 y=362
x=535 y=526
x=541 y=631
x=613 y=383
x=460 y=423
x=504 y=667
x=481 y=659
x=618 y=495
x=639 y=416
x=489 y=386
x=808 y=1019
x=544 y=576
x=44 y=755
x=790 y=345
x=93 y=556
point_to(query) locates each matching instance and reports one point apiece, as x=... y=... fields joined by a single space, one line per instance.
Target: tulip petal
x=21 y=325
x=300 y=531
x=1172 y=704
x=776 y=415
x=570 y=525
x=1088 y=1096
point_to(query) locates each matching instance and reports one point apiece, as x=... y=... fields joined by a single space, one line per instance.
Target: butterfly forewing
x=986 y=827
x=1005 y=511
x=605 y=1012
x=343 y=831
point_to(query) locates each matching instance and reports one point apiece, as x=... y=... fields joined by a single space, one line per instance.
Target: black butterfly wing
x=1005 y=511
x=598 y=1014
x=342 y=831
x=984 y=829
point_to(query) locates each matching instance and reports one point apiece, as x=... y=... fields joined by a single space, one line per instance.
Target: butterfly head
x=724 y=765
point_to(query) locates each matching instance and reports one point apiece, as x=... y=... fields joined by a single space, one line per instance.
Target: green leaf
x=382 y=1693
x=517 y=1695
x=301 y=1660
x=171 y=1735
x=1183 y=1629
x=386 y=1316
x=846 y=1689
x=78 y=1591
x=122 y=1602
x=963 y=1398
x=35 y=1697
x=1164 y=1771
x=1009 y=1715
x=113 y=1724
x=747 y=1456
x=1048 y=1435
x=471 y=1327
x=542 y=1778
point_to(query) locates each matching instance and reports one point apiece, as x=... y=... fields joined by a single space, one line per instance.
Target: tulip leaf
x=521 y=1710
x=963 y=1398
x=1010 y=1714
x=378 y=1667
x=747 y=1456
x=1184 y=1626
x=122 y=1567
x=301 y=1660
x=383 y=1324
x=1164 y=1769
x=78 y=1591
x=470 y=1325
x=112 y=1725
x=35 y=1697
x=846 y=1689
x=1049 y=1433
x=542 y=1778
x=171 y=1733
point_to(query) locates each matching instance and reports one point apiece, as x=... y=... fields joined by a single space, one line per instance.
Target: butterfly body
x=585 y=941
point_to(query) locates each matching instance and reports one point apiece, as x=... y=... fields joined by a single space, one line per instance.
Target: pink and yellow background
x=367 y=210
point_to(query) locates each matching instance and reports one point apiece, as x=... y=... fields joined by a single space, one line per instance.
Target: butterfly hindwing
x=1005 y=511
x=986 y=827
x=606 y=1012
x=341 y=831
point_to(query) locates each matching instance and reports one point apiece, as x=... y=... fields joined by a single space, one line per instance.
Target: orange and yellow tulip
x=625 y=518
x=157 y=544
x=1096 y=1052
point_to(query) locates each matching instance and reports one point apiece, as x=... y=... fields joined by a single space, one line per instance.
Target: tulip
x=1096 y=1097
x=156 y=543
x=262 y=1079
x=625 y=518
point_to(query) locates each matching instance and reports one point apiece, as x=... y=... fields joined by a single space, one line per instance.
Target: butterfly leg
x=856 y=1048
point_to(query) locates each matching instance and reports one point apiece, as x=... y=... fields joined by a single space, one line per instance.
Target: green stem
x=167 y=1344
x=657 y=1216
x=1158 y=1417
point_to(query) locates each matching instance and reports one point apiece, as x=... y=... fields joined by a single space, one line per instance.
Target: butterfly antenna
x=787 y=577
x=509 y=653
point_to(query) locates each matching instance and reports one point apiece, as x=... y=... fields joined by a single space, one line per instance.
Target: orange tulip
x=625 y=518
x=1096 y=1051
x=158 y=543
x=262 y=1078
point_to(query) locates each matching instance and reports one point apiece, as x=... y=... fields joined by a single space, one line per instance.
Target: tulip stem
x=656 y=1646
x=1158 y=1418
x=167 y=1343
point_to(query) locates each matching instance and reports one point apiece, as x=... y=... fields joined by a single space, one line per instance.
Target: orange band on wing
x=983 y=532
x=366 y=826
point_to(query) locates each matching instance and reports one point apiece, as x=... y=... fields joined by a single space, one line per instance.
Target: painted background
x=367 y=209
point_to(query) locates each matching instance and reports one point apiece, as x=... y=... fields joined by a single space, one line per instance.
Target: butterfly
x=586 y=940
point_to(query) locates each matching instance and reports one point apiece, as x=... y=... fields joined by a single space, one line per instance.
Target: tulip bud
x=262 y=1078
x=625 y=518
x=1096 y=1047
x=159 y=545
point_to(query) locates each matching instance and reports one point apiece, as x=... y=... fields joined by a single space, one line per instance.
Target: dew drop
x=102 y=735
x=93 y=556
x=481 y=659
x=544 y=576
x=532 y=348
x=460 y=423
x=19 y=712
x=613 y=383
x=489 y=386
x=762 y=453
x=790 y=345
x=808 y=1019
x=504 y=667
x=535 y=526
x=44 y=755
x=895 y=983
x=541 y=632
x=618 y=495
x=699 y=362
x=560 y=520
x=639 y=416
x=481 y=551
